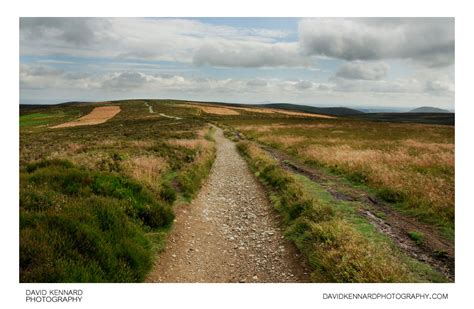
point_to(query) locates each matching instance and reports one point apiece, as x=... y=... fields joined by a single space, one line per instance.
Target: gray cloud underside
x=249 y=54
x=429 y=41
x=363 y=70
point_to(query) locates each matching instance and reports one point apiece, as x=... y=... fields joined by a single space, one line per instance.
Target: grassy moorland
x=96 y=201
x=409 y=165
x=341 y=246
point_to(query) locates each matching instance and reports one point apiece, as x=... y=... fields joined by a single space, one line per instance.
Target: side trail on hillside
x=230 y=232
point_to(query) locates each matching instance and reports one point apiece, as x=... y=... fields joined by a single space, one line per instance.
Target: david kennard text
x=54 y=296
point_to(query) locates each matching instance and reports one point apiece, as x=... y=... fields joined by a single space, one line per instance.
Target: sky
x=397 y=63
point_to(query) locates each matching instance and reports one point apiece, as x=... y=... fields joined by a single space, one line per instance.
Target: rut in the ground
x=230 y=232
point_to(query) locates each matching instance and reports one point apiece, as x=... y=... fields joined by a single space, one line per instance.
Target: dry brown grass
x=188 y=143
x=283 y=140
x=400 y=168
x=97 y=116
x=428 y=147
x=142 y=143
x=276 y=126
x=216 y=110
x=337 y=250
x=304 y=114
x=412 y=164
x=146 y=168
x=256 y=110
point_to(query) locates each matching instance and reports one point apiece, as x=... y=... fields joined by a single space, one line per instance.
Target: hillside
x=429 y=109
x=426 y=118
x=338 y=111
x=144 y=190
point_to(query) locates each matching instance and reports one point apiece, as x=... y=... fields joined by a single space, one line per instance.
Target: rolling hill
x=429 y=109
x=338 y=111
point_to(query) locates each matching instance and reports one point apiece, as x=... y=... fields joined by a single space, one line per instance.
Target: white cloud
x=129 y=48
x=45 y=82
x=303 y=85
x=124 y=81
x=249 y=54
x=363 y=70
x=180 y=40
x=257 y=83
x=426 y=40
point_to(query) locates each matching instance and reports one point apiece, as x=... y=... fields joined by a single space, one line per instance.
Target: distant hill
x=426 y=118
x=429 y=109
x=338 y=111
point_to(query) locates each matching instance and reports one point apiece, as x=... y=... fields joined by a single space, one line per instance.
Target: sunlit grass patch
x=37 y=119
x=410 y=165
x=340 y=246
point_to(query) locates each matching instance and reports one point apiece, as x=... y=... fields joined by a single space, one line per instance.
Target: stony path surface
x=230 y=232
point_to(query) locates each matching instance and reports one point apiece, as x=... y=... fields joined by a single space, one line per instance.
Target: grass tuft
x=336 y=250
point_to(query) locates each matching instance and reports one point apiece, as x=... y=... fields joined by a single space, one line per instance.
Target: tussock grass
x=335 y=249
x=147 y=169
x=410 y=165
x=191 y=177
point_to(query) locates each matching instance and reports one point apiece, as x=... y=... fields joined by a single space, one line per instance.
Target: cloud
x=303 y=85
x=39 y=70
x=429 y=41
x=403 y=85
x=257 y=83
x=74 y=31
x=166 y=39
x=428 y=82
x=46 y=83
x=249 y=54
x=439 y=86
x=124 y=81
x=363 y=70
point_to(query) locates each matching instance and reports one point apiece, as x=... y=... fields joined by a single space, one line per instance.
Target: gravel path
x=230 y=232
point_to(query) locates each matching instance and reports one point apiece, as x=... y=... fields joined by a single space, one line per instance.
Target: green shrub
x=82 y=226
x=167 y=193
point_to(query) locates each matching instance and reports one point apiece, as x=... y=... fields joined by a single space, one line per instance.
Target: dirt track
x=230 y=233
x=97 y=116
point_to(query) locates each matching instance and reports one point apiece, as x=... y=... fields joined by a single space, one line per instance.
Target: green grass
x=405 y=164
x=191 y=178
x=416 y=236
x=349 y=211
x=43 y=119
x=96 y=202
x=340 y=245
x=77 y=225
x=100 y=216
